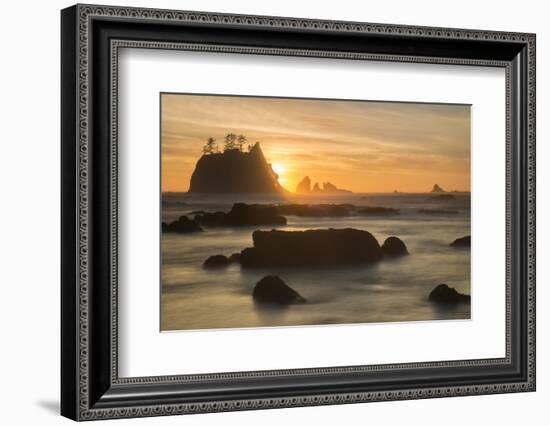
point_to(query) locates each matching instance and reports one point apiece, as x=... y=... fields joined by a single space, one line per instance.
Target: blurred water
x=392 y=290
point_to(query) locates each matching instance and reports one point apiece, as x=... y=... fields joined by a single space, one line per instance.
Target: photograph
x=285 y=209
x=293 y=212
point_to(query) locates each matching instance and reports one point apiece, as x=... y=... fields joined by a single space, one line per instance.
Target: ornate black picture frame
x=91 y=387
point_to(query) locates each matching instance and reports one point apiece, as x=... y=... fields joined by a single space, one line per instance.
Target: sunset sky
x=361 y=146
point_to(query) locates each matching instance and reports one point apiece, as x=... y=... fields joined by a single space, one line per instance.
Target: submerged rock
x=394 y=247
x=375 y=210
x=183 y=225
x=462 y=242
x=242 y=214
x=447 y=295
x=215 y=262
x=316 y=247
x=272 y=290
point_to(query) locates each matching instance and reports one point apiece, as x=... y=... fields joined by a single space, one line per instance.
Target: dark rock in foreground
x=235 y=258
x=183 y=225
x=374 y=210
x=243 y=215
x=272 y=290
x=448 y=295
x=317 y=247
x=438 y=211
x=394 y=247
x=462 y=242
x=216 y=262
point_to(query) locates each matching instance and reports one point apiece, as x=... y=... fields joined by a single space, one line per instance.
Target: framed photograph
x=263 y=212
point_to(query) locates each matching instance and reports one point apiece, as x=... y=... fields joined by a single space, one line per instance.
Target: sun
x=278 y=168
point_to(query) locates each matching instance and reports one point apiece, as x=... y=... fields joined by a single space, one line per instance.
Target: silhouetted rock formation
x=243 y=215
x=442 y=197
x=448 y=295
x=304 y=187
x=216 y=262
x=317 y=247
x=220 y=261
x=438 y=211
x=234 y=171
x=315 y=210
x=272 y=290
x=462 y=242
x=328 y=188
x=437 y=188
x=394 y=247
x=183 y=225
x=373 y=210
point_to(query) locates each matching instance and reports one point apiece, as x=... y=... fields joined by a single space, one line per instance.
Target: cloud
x=347 y=140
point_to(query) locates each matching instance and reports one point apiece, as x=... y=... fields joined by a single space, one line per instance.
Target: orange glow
x=360 y=146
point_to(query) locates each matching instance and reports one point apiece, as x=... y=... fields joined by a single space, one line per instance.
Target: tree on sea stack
x=230 y=142
x=210 y=147
x=241 y=140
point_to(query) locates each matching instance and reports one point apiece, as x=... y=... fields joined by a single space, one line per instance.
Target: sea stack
x=437 y=189
x=235 y=172
x=304 y=187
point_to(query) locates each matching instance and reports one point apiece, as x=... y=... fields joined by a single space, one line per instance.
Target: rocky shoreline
x=312 y=248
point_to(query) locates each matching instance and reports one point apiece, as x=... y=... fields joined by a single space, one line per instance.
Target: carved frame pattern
x=85 y=13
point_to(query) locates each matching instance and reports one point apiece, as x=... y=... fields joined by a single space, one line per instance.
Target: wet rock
x=272 y=290
x=462 y=242
x=242 y=214
x=375 y=210
x=216 y=262
x=394 y=247
x=448 y=295
x=235 y=258
x=316 y=247
x=183 y=225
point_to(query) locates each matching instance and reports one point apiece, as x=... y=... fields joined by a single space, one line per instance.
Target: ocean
x=392 y=290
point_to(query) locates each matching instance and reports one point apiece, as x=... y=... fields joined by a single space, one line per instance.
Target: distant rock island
x=234 y=171
x=437 y=189
x=304 y=187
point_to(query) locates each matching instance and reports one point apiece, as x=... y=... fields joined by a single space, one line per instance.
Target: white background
x=29 y=225
x=146 y=352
